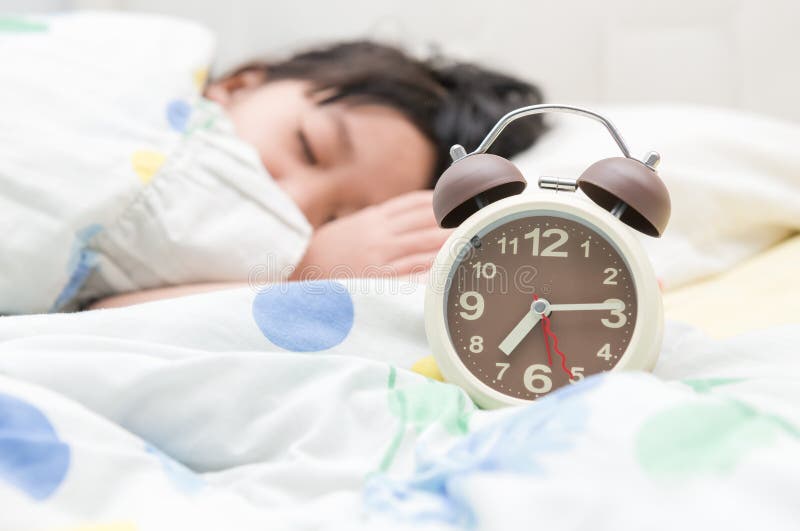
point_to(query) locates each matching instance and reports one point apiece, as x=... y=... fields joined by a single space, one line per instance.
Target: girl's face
x=332 y=159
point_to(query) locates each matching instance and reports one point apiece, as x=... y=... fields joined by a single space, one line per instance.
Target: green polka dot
x=704 y=438
x=426 y=403
x=706 y=385
x=21 y=25
x=423 y=404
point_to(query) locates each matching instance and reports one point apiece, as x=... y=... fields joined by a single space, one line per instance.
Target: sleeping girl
x=315 y=166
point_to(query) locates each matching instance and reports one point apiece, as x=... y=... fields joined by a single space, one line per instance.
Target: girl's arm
x=399 y=237
x=138 y=297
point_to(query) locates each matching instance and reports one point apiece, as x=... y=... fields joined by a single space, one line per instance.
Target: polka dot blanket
x=304 y=406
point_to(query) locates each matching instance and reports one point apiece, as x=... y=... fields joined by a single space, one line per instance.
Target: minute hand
x=605 y=306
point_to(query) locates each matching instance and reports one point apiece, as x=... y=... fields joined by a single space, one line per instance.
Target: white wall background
x=733 y=53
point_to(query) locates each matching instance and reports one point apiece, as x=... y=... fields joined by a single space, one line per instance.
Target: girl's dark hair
x=449 y=102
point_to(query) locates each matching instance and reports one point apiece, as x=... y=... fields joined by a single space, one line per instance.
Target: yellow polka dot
x=199 y=76
x=427 y=367
x=146 y=163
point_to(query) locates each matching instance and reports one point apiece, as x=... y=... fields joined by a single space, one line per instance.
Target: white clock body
x=645 y=341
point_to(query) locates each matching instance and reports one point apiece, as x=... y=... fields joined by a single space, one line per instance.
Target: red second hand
x=548 y=332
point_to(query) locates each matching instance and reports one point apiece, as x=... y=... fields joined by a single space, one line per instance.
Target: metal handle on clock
x=628 y=188
x=555 y=183
x=458 y=152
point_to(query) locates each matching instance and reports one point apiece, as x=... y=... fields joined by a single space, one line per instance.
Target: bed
x=306 y=405
x=297 y=407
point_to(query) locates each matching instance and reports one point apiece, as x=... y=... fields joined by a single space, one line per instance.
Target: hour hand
x=523 y=328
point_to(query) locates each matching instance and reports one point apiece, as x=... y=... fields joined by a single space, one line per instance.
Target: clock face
x=532 y=282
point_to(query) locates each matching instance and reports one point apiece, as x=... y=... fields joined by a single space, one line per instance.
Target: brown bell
x=472 y=183
x=619 y=179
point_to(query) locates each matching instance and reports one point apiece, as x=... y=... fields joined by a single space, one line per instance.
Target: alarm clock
x=536 y=291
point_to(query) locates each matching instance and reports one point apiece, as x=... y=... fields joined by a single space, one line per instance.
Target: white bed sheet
x=185 y=410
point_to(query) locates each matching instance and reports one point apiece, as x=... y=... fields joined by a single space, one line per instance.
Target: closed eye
x=305 y=147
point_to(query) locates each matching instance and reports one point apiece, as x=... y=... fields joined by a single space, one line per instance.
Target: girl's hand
x=397 y=237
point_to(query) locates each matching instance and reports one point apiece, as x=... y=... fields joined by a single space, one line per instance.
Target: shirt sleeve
x=211 y=213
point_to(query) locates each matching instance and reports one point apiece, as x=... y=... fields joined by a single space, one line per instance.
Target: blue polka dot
x=178 y=113
x=32 y=458
x=515 y=444
x=304 y=316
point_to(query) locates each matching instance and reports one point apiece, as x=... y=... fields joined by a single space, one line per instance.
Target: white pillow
x=81 y=93
x=733 y=177
x=115 y=175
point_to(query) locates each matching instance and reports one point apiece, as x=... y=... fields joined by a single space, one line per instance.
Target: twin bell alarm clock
x=536 y=291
